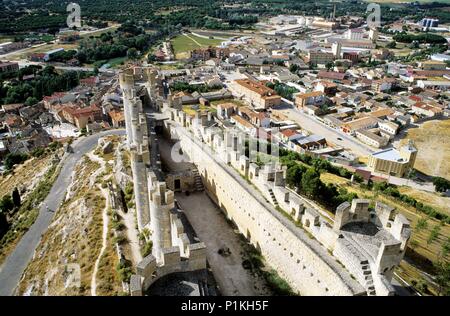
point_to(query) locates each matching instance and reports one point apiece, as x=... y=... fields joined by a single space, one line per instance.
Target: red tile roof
x=331 y=75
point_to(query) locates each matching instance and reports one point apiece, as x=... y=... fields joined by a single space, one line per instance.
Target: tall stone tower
x=161 y=203
x=126 y=80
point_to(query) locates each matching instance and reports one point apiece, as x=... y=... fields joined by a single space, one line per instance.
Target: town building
x=320 y=58
x=358 y=124
x=256 y=93
x=392 y=161
x=433 y=65
x=80 y=116
x=370 y=138
x=309 y=98
x=355 y=34
x=8 y=67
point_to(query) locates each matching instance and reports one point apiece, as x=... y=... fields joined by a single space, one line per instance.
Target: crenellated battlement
x=368 y=243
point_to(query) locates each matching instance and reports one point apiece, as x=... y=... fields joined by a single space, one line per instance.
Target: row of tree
x=305 y=179
x=46 y=82
x=283 y=90
x=392 y=191
x=29 y=15
x=423 y=38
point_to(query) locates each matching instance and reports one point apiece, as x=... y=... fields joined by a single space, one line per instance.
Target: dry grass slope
x=431 y=138
x=74 y=237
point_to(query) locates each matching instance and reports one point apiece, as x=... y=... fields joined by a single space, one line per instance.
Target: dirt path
x=105 y=220
x=104 y=243
x=132 y=235
x=195 y=41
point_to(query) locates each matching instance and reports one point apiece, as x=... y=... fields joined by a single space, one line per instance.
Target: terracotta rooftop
x=309 y=95
x=381 y=112
x=331 y=75
x=117 y=116
x=258 y=87
x=289 y=133
x=227 y=105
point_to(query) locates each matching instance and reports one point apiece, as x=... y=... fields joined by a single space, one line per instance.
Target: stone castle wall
x=300 y=260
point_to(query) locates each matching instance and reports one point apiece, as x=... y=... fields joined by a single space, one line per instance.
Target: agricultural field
x=191 y=109
x=434 y=151
x=234 y=101
x=185 y=43
x=115 y=62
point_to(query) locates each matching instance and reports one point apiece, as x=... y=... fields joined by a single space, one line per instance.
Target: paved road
x=23 y=50
x=14 y=266
x=309 y=123
x=24 y=63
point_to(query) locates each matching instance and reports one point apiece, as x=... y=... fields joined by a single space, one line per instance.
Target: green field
x=185 y=43
x=117 y=61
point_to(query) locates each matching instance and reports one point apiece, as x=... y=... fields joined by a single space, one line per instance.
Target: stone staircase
x=356 y=263
x=198 y=134
x=198 y=183
x=272 y=196
x=370 y=288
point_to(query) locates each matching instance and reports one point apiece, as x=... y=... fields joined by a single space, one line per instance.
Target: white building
x=388 y=129
x=336 y=48
x=440 y=57
x=355 y=34
x=373 y=35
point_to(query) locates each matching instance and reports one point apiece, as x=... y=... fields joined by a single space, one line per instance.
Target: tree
x=441 y=184
x=16 y=198
x=329 y=65
x=294 y=175
x=293 y=68
x=422 y=223
x=6 y=204
x=31 y=101
x=446 y=247
x=443 y=277
x=13 y=159
x=434 y=233
x=311 y=183
x=132 y=53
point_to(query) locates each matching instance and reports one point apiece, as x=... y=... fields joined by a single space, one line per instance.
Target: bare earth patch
x=431 y=139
